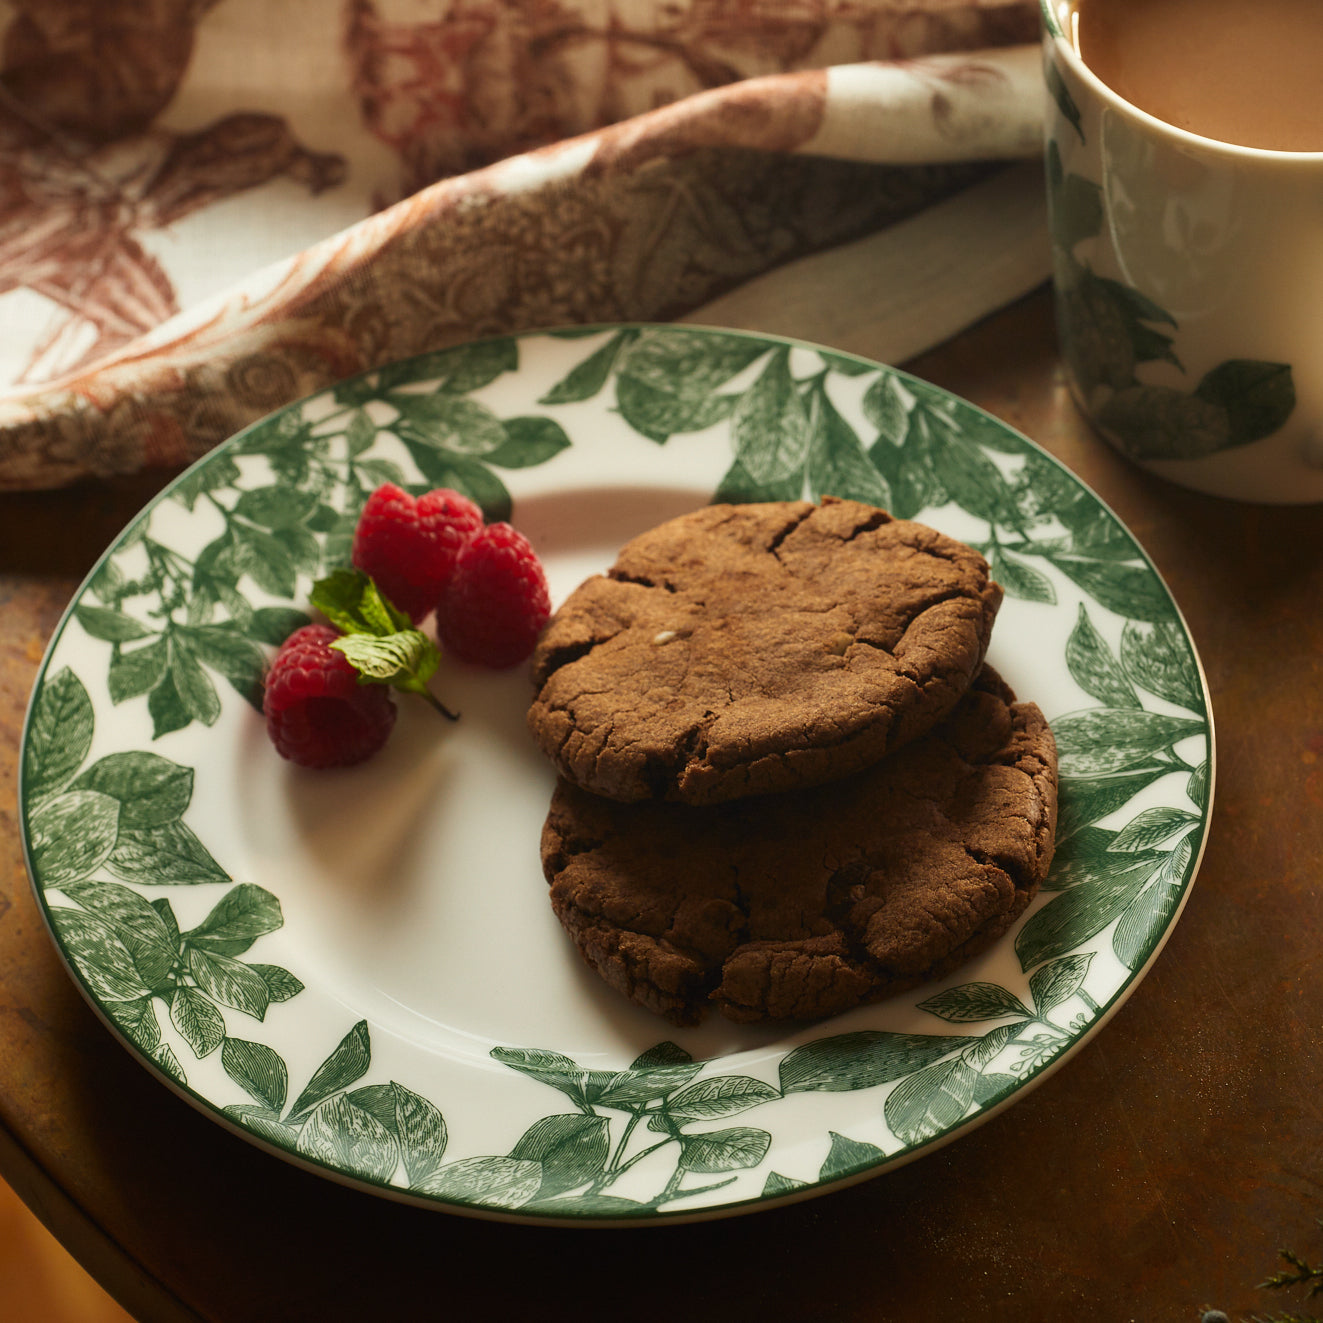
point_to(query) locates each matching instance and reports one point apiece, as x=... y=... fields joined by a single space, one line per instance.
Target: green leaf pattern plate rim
x=360 y=972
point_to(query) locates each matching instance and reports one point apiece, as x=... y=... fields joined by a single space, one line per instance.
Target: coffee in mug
x=1188 y=265
x=1239 y=72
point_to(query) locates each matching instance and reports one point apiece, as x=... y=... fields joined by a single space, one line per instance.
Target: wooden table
x=1153 y=1177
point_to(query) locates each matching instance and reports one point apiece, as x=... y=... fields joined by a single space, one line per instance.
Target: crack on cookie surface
x=755 y=638
x=803 y=904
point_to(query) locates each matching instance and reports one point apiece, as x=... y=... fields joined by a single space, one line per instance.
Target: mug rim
x=1066 y=52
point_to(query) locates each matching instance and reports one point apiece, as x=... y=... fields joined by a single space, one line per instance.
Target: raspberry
x=496 y=602
x=409 y=546
x=317 y=714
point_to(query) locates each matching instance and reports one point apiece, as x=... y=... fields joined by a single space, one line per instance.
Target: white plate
x=360 y=970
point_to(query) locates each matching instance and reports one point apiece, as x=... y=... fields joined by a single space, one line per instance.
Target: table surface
x=1154 y=1176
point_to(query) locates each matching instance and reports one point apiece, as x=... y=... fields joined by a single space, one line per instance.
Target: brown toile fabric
x=208 y=210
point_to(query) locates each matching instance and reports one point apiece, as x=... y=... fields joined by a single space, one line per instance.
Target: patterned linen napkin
x=210 y=209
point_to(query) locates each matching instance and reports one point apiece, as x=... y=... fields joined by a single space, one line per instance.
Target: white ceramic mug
x=1189 y=281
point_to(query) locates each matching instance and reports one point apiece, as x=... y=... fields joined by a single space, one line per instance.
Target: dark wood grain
x=1153 y=1176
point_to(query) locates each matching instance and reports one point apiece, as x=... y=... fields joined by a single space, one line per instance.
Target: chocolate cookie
x=748 y=649
x=802 y=905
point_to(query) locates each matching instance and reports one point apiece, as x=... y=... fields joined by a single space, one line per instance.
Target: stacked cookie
x=788 y=783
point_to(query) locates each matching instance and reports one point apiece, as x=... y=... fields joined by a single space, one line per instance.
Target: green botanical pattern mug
x=1188 y=275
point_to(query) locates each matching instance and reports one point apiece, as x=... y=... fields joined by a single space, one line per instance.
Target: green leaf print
x=1076 y=205
x=138 y=671
x=553 y=1068
x=930 y=1101
x=587 y=378
x=571 y=1149
x=264 y=1122
x=197 y=1020
x=1020 y=579
x=1258 y=397
x=974 y=1001
x=1152 y=828
x=637 y=1087
x=1109 y=329
x=258 y=1070
x=1095 y=669
x=239 y=918
x=776 y=1184
x=72 y=835
x=1128 y=590
x=708 y=1100
x=168 y=855
x=277 y=506
x=1065 y=103
x=1102 y=740
x=1058 y=981
x=59 y=734
x=770 y=424
x=971 y=479
x=448 y=423
x=229 y=982
x=493 y=1182
x=274 y=624
x=837 y=464
x=151 y=790
x=165 y=1058
x=192 y=685
x=695 y=362
x=1198 y=785
x=349 y=1138
x=845 y=1157
x=94 y=947
x=886 y=406
x=109 y=625
x=229 y=654
x=861 y=1060
x=360 y=433
x=1159 y=660
x=218 y=472
x=1074 y=916
x=144 y=934
x=1147 y=918
x=1085 y=856
x=909 y=468
x=738 y=486
x=667 y=379
x=717 y=1151
x=346 y=1064
x=456 y=370
x=529 y=442
x=470 y=477
x=417 y=1125
x=1159 y=422
x=138 y=1021
x=281 y=985
x=1085 y=800
x=265 y=560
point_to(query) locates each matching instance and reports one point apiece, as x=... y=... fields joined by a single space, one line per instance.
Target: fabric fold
x=651 y=218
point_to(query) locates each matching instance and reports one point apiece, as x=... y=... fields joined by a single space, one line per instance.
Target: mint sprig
x=379 y=640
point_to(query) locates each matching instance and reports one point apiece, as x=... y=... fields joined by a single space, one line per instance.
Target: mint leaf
x=355 y=605
x=405 y=660
x=378 y=640
x=392 y=657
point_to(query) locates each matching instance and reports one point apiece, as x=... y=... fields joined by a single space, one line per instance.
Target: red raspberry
x=496 y=602
x=409 y=547
x=317 y=713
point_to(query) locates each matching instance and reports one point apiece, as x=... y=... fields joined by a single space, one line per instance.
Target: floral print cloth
x=209 y=208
